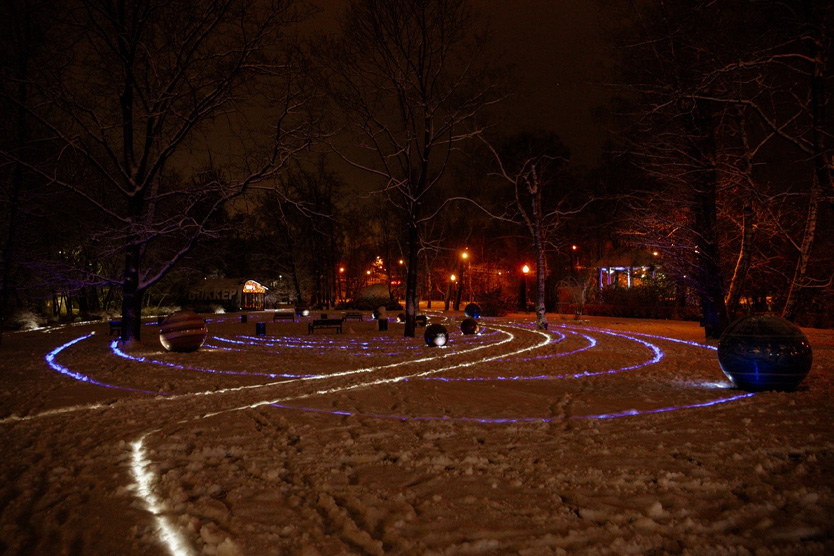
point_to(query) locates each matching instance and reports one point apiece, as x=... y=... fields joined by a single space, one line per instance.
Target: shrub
x=493 y=304
x=27 y=320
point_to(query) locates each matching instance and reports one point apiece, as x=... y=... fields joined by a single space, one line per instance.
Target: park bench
x=283 y=315
x=353 y=315
x=325 y=323
x=116 y=327
x=420 y=320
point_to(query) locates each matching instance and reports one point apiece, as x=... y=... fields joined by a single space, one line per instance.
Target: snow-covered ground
x=601 y=436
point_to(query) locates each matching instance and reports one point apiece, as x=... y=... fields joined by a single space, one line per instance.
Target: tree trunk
x=411 y=279
x=541 y=262
x=9 y=246
x=21 y=139
x=541 y=290
x=459 y=290
x=792 y=304
x=131 y=297
x=822 y=175
x=429 y=287
x=710 y=282
x=745 y=253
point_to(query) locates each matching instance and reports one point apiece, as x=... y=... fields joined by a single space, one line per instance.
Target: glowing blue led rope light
x=658 y=356
x=78 y=376
x=676 y=340
x=298 y=344
x=591 y=344
x=515 y=420
x=50 y=360
x=378 y=382
x=177 y=549
x=114 y=347
x=366 y=351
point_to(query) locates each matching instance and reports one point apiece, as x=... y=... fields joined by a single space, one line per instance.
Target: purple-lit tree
x=410 y=79
x=677 y=140
x=170 y=107
x=783 y=86
x=730 y=127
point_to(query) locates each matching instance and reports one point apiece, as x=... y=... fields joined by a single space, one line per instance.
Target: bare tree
x=678 y=139
x=410 y=78
x=791 y=102
x=22 y=46
x=755 y=81
x=530 y=163
x=154 y=98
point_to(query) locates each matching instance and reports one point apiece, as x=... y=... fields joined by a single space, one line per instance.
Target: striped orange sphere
x=183 y=331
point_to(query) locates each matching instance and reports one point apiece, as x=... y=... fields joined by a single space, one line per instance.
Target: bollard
x=244 y=318
x=260 y=329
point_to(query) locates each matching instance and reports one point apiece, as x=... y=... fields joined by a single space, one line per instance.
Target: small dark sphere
x=764 y=352
x=469 y=326
x=473 y=310
x=401 y=318
x=183 y=331
x=436 y=335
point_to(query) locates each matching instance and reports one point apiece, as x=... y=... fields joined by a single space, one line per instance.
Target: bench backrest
x=326 y=322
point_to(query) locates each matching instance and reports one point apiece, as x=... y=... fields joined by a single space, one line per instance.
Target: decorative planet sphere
x=183 y=331
x=401 y=317
x=764 y=352
x=473 y=310
x=436 y=335
x=469 y=326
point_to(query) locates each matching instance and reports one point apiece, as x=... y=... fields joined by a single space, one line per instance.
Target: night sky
x=559 y=53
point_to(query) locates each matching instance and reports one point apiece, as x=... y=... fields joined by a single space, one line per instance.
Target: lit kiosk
x=232 y=293
x=626 y=269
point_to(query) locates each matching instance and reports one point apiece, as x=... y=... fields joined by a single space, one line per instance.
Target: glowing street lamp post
x=449 y=291
x=573 y=259
x=464 y=256
x=339 y=288
x=525 y=270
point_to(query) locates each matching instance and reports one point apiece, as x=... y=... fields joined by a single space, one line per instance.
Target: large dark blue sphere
x=436 y=335
x=764 y=352
x=472 y=311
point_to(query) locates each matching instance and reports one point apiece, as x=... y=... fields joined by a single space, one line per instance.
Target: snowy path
x=603 y=437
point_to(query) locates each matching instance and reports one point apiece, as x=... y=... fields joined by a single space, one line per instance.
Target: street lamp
x=573 y=249
x=449 y=292
x=524 y=270
x=464 y=256
x=339 y=288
